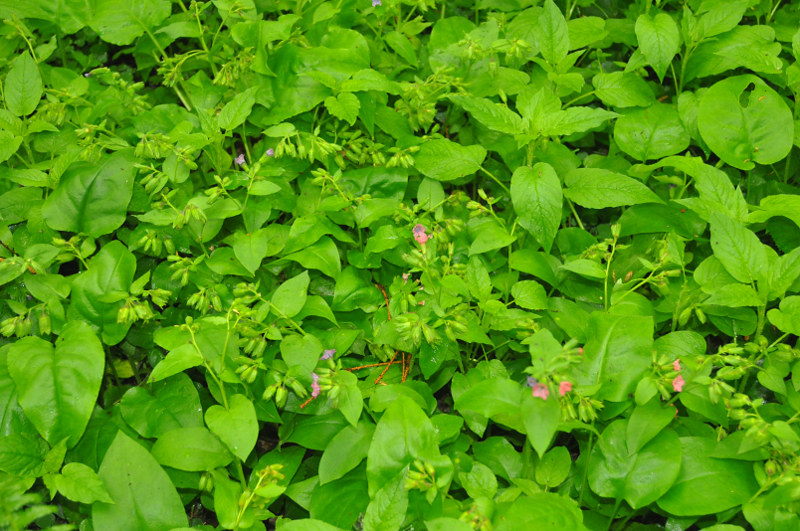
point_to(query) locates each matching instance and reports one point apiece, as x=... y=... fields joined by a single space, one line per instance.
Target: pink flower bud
x=676 y=365
x=677 y=383
x=564 y=388
x=540 y=390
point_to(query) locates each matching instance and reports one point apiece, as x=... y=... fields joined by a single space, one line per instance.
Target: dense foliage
x=399 y=264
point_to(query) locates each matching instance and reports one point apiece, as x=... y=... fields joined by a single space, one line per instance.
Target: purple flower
x=315 y=390
x=328 y=354
x=87 y=74
x=376 y=3
x=240 y=159
x=531 y=381
x=270 y=152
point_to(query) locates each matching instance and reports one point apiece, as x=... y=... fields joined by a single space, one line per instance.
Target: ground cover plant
x=399 y=264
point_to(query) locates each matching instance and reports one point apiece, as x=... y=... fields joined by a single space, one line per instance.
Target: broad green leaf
x=598 y=188
x=488 y=236
x=495 y=116
x=619 y=89
x=290 y=297
x=341 y=502
x=744 y=121
x=402 y=47
x=23 y=455
x=784 y=205
x=251 y=248
x=554 y=467
x=541 y=418
x=344 y=106
x=646 y=422
x=537 y=198
x=530 y=295
x=783 y=273
x=444 y=160
x=659 y=41
x=80 y=483
x=236 y=111
x=787 y=317
x=577 y=120
x=719 y=16
x=478 y=280
x=651 y=133
x=58 y=387
x=387 y=509
x=748 y=46
x=616 y=354
x=707 y=485
x=109 y=277
x=404 y=433
x=143 y=494
x=162 y=406
x=178 y=360
x=301 y=351
x=552 y=36
x=9 y=144
x=236 y=426
x=324 y=254
x=92 y=198
x=191 y=449
x=23 y=86
x=120 y=22
x=479 y=482
x=345 y=451
x=734 y=295
x=499 y=455
x=640 y=477
x=350 y=401
x=542 y=511
x=738 y=248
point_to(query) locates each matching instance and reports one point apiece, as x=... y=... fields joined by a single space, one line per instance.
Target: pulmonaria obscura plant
x=400 y=264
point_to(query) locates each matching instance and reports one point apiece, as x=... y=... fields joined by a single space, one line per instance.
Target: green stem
x=575 y=213
x=608 y=268
x=498 y=181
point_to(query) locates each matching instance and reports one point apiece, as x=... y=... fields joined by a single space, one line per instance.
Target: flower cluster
x=678 y=382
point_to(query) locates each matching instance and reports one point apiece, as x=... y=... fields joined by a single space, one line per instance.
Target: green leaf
x=80 y=483
x=495 y=116
x=542 y=511
x=322 y=255
x=646 y=422
x=290 y=297
x=537 y=198
x=236 y=426
x=541 y=418
x=120 y=22
x=444 y=160
x=110 y=276
x=58 y=387
x=738 y=248
x=640 y=477
x=178 y=360
x=554 y=467
x=787 y=317
x=301 y=351
x=784 y=205
x=478 y=280
x=651 y=133
x=9 y=144
x=162 y=406
x=530 y=295
x=236 y=111
x=345 y=451
x=707 y=485
x=344 y=106
x=489 y=235
x=23 y=86
x=350 y=402
x=404 y=433
x=92 y=198
x=191 y=449
x=616 y=354
x=552 y=36
x=620 y=89
x=387 y=509
x=23 y=455
x=734 y=295
x=659 y=41
x=598 y=188
x=251 y=248
x=744 y=121
x=402 y=47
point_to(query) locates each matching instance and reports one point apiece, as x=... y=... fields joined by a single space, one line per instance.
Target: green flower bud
x=281 y=394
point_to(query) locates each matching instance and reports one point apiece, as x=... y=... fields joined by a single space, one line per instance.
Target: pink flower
x=315 y=390
x=376 y=3
x=328 y=354
x=677 y=383
x=240 y=159
x=677 y=365
x=564 y=388
x=405 y=277
x=270 y=152
x=419 y=234
x=540 y=390
x=580 y=351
